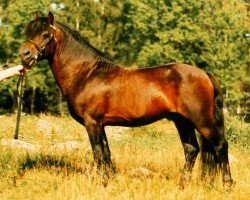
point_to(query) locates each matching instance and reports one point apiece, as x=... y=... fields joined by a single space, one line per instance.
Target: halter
x=41 y=49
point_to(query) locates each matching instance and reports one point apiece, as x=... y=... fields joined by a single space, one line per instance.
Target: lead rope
x=19 y=102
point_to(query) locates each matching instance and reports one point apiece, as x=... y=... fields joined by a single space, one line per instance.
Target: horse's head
x=40 y=41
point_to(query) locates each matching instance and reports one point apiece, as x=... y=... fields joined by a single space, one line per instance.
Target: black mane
x=103 y=63
x=80 y=39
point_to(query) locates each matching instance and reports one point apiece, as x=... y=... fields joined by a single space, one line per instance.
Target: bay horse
x=100 y=92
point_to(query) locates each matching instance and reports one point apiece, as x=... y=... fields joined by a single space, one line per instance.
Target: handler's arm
x=10 y=72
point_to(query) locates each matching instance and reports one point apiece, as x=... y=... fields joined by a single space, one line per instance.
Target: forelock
x=36 y=27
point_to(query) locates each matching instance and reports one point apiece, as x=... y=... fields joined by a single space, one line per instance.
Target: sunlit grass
x=148 y=161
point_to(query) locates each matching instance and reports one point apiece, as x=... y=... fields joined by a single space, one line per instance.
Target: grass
x=148 y=160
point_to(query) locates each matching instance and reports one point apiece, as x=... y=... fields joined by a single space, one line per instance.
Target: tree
x=97 y=21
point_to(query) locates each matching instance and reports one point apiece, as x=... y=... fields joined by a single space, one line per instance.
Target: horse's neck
x=70 y=64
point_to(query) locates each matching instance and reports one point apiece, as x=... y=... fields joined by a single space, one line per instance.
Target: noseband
x=41 y=49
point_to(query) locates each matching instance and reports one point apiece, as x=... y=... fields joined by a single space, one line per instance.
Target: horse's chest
x=91 y=101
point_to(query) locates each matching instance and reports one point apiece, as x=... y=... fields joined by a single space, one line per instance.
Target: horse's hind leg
x=221 y=148
x=213 y=137
x=191 y=148
x=107 y=153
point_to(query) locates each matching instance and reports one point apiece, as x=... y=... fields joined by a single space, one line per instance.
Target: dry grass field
x=148 y=161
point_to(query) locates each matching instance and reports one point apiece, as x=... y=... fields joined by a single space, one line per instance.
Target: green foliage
x=237 y=132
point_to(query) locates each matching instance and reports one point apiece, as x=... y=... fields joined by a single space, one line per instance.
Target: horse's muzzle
x=26 y=57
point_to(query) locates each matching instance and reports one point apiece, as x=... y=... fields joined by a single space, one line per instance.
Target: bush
x=237 y=132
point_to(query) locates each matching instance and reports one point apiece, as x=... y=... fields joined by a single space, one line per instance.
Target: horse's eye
x=45 y=35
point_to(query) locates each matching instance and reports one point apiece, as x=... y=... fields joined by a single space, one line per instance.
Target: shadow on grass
x=65 y=163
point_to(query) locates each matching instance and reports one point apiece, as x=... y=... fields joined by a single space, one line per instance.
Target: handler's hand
x=19 y=70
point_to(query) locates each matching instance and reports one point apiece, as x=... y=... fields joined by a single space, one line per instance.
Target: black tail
x=208 y=155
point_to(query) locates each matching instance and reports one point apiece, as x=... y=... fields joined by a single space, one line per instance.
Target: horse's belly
x=137 y=110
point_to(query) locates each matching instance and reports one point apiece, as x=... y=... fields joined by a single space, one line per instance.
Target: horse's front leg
x=94 y=130
x=99 y=144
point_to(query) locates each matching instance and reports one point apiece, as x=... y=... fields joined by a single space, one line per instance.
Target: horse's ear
x=37 y=15
x=51 y=18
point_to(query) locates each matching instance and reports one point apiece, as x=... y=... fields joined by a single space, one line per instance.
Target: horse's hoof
x=105 y=178
x=110 y=171
x=181 y=185
x=228 y=185
x=184 y=181
x=107 y=174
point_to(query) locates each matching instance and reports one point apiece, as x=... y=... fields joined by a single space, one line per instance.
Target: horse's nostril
x=26 y=53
